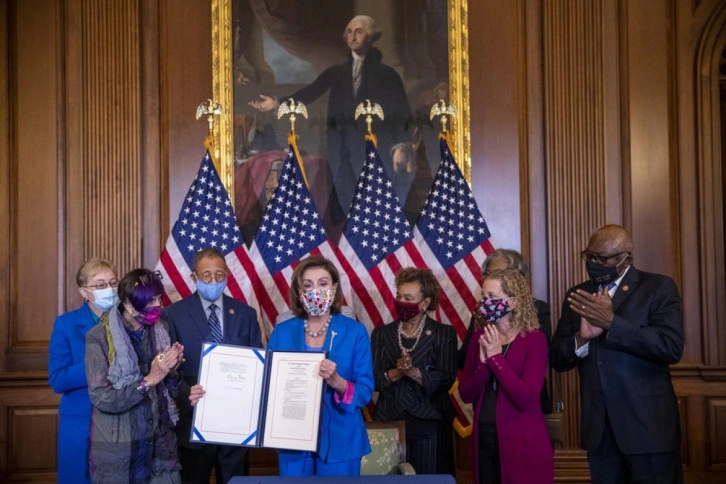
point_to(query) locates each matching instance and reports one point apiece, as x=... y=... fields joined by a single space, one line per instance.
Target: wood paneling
x=34 y=199
x=582 y=113
x=576 y=163
x=28 y=436
x=717 y=434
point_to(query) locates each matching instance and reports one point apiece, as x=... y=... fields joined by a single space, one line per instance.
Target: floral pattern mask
x=317 y=301
x=493 y=309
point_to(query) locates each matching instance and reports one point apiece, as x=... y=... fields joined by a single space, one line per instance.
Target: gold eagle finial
x=211 y=109
x=440 y=108
x=292 y=108
x=369 y=109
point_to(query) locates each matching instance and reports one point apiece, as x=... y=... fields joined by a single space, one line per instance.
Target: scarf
x=123 y=364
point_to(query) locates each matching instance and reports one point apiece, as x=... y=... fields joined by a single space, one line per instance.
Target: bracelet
x=385 y=375
x=143 y=387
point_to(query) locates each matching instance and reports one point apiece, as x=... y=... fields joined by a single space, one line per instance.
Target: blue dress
x=67 y=376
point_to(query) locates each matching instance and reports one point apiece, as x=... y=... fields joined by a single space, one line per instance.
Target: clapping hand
x=490 y=341
x=404 y=362
x=597 y=308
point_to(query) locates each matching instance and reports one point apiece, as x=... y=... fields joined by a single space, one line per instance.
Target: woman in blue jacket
x=97 y=284
x=315 y=298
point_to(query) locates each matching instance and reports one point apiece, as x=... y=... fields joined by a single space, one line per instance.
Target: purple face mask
x=149 y=317
x=493 y=309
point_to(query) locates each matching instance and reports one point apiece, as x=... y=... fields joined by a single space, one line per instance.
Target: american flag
x=377 y=241
x=206 y=220
x=454 y=239
x=291 y=229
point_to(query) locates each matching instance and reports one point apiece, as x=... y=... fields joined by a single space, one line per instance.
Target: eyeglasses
x=147 y=279
x=588 y=256
x=208 y=277
x=103 y=284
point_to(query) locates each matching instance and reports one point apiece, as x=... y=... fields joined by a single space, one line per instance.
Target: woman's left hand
x=329 y=373
x=328 y=370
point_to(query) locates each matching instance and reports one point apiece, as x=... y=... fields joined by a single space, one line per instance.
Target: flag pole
x=292 y=108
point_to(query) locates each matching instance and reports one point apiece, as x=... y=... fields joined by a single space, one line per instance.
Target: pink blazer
x=525 y=451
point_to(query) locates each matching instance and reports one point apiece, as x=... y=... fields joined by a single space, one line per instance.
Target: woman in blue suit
x=315 y=299
x=97 y=284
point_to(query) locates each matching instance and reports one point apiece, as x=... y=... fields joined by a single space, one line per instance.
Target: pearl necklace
x=315 y=334
x=416 y=335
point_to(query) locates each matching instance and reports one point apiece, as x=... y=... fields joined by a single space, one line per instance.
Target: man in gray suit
x=208 y=315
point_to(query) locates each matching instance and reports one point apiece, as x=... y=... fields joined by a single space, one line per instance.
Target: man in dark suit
x=362 y=75
x=622 y=329
x=208 y=315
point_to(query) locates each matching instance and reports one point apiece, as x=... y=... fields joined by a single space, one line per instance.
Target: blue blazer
x=66 y=369
x=343 y=433
x=189 y=326
x=67 y=376
x=626 y=372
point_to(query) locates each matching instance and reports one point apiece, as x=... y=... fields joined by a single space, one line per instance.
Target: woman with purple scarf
x=132 y=379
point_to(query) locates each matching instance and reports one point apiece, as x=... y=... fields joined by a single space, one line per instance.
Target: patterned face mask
x=493 y=309
x=317 y=301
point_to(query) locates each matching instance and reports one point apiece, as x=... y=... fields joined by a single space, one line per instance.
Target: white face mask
x=105 y=299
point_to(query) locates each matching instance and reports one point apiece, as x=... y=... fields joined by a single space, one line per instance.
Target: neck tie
x=610 y=286
x=357 y=78
x=216 y=334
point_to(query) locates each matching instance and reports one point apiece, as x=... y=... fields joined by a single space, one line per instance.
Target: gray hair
x=370 y=26
x=514 y=260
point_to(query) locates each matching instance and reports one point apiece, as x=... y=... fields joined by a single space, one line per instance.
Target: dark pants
x=227 y=462
x=429 y=446
x=610 y=466
x=490 y=470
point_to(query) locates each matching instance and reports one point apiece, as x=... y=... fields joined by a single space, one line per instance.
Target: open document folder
x=259 y=398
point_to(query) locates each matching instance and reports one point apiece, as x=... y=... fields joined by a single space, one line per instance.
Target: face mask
x=493 y=309
x=317 y=301
x=104 y=299
x=406 y=310
x=602 y=274
x=211 y=291
x=149 y=317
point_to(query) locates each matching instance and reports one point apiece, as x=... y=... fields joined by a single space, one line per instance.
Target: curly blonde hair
x=515 y=285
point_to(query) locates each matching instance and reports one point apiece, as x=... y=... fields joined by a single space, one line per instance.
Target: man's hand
x=596 y=308
x=266 y=104
x=587 y=332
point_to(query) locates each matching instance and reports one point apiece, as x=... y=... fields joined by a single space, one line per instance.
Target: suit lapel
x=626 y=287
x=198 y=316
x=230 y=319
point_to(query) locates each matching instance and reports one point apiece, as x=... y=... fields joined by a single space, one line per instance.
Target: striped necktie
x=216 y=334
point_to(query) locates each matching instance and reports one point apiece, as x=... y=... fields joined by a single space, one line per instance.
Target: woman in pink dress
x=503 y=375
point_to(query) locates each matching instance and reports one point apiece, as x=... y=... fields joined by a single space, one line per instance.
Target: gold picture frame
x=223 y=69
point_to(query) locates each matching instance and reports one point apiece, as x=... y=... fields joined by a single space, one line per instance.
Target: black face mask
x=602 y=274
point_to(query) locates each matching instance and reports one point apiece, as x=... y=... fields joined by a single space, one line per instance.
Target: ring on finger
x=161 y=357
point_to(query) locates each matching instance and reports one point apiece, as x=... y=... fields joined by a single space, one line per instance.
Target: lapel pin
x=626 y=288
x=428 y=332
x=231 y=311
